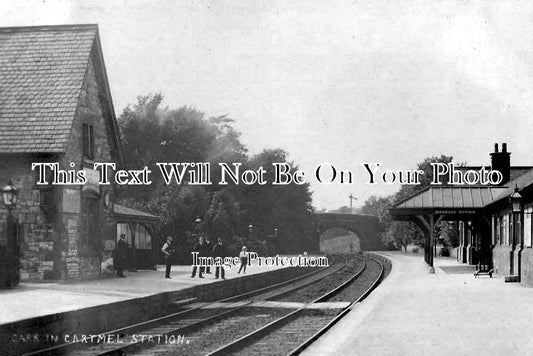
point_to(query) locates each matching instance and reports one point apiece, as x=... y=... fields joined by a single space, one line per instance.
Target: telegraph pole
x=352 y=198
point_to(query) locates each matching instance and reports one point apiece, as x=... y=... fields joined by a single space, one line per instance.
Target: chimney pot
x=501 y=161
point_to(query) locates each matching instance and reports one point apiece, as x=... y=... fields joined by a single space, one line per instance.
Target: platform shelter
x=428 y=207
x=495 y=221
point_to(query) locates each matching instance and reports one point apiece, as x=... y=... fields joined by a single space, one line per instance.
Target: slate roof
x=451 y=198
x=514 y=171
x=522 y=182
x=124 y=211
x=41 y=75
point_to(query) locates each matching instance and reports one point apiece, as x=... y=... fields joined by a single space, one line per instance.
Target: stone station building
x=56 y=106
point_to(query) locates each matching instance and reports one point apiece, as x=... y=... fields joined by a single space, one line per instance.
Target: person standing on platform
x=219 y=250
x=209 y=249
x=168 y=251
x=199 y=247
x=244 y=259
x=121 y=256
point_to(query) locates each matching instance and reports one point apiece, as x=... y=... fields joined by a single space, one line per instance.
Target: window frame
x=137 y=235
x=528 y=211
x=506 y=226
x=88 y=141
x=90 y=231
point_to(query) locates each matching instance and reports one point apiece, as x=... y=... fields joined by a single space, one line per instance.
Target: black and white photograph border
x=266 y=177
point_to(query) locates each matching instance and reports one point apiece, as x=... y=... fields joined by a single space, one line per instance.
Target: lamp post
x=10 y=196
x=250 y=231
x=515 y=201
x=11 y=274
x=196 y=227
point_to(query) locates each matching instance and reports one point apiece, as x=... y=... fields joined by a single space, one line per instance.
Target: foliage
x=378 y=206
x=399 y=234
x=281 y=215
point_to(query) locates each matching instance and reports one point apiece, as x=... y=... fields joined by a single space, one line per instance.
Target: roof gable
x=41 y=75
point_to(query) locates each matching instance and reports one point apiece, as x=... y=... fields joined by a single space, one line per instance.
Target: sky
x=342 y=82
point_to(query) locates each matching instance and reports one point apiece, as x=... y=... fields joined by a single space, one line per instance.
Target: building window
x=461 y=233
x=124 y=228
x=88 y=141
x=527 y=226
x=143 y=239
x=505 y=230
x=137 y=233
x=90 y=232
x=493 y=230
x=498 y=228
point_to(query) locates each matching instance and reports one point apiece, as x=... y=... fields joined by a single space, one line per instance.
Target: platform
x=30 y=300
x=446 y=313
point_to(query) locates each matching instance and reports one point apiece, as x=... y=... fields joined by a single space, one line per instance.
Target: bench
x=483 y=272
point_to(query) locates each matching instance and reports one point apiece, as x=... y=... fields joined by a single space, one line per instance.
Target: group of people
x=203 y=247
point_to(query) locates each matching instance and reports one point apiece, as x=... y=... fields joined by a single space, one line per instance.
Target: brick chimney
x=501 y=161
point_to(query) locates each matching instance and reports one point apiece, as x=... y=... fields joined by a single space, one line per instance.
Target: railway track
x=290 y=323
x=278 y=330
x=130 y=339
x=292 y=333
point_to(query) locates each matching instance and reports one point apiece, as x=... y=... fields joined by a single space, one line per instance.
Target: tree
x=151 y=133
x=425 y=179
x=379 y=206
x=286 y=208
x=222 y=218
x=399 y=234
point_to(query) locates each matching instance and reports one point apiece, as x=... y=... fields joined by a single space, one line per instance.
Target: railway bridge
x=363 y=232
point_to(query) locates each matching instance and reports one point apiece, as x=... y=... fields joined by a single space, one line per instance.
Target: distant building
x=56 y=106
x=495 y=223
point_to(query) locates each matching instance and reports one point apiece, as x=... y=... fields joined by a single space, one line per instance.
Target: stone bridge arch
x=339 y=240
x=366 y=228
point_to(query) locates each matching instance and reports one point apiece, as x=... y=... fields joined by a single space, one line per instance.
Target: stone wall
x=94 y=320
x=366 y=227
x=82 y=259
x=527 y=266
x=501 y=259
x=36 y=228
x=337 y=240
x=51 y=219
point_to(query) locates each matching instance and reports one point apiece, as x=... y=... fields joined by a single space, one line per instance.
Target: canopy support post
x=430 y=222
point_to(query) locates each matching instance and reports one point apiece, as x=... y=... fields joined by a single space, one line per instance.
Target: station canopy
x=124 y=213
x=433 y=204
x=447 y=202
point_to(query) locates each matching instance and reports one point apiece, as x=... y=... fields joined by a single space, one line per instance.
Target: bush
x=416 y=249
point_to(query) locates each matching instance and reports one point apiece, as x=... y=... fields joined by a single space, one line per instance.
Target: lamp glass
x=9 y=195
x=6 y=197
x=516 y=201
